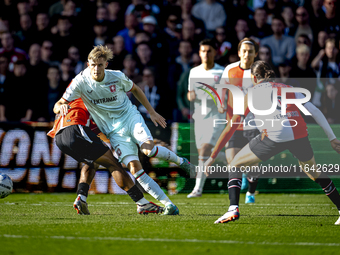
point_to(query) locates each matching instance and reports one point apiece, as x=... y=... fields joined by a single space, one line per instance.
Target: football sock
x=151 y=187
x=137 y=195
x=201 y=177
x=252 y=183
x=234 y=187
x=165 y=154
x=83 y=190
x=329 y=188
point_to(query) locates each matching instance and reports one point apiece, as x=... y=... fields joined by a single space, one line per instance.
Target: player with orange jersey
x=238 y=74
x=74 y=137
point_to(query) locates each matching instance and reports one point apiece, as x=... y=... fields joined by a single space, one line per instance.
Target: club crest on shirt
x=113 y=88
x=216 y=78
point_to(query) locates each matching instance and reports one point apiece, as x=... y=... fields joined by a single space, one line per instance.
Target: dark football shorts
x=241 y=138
x=80 y=143
x=266 y=148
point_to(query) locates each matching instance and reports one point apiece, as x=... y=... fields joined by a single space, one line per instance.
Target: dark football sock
x=83 y=189
x=234 y=187
x=252 y=183
x=135 y=193
x=329 y=188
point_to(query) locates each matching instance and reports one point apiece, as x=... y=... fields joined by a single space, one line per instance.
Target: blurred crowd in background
x=45 y=43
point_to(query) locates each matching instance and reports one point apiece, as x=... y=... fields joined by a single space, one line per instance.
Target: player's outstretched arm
x=61 y=107
x=154 y=116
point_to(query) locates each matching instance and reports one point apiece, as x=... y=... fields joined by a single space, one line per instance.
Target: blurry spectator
x=320 y=43
x=16 y=84
x=325 y=62
x=284 y=74
x=47 y=53
x=211 y=12
x=140 y=9
x=42 y=28
x=186 y=7
x=260 y=29
x=73 y=54
x=154 y=95
x=188 y=34
x=242 y=30
x=36 y=68
x=265 y=54
x=302 y=18
x=130 y=69
x=3 y=75
x=316 y=14
x=128 y=34
x=145 y=58
x=149 y=25
x=237 y=9
x=24 y=34
x=303 y=39
x=181 y=64
x=282 y=46
x=172 y=34
x=9 y=12
x=302 y=69
x=102 y=14
x=57 y=8
x=182 y=91
x=119 y=53
x=288 y=16
x=223 y=46
x=63 y=36
x=331 y=22
x=9 y=51
x=273 y=8
x=100 y=33
x=54 y=91
x=142 y=36
x=326 y=67
x=331 y=104
x=115 y=17
x=70 y=9
x=67 y=73
x=23 y=7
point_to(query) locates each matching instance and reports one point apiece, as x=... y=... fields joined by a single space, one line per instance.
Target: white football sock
x=151 y=187
x=250 y=194
x=165 y=154
x=232 y=207
x=142 y=201
x=201 y=177
x=82 y=197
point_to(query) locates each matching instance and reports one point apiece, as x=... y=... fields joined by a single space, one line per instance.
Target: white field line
x=189 y=204
x=108 y=238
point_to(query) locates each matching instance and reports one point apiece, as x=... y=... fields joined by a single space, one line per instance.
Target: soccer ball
x=6 y=185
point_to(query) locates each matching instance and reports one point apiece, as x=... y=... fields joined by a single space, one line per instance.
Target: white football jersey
x=210 y=77
x=106 y=101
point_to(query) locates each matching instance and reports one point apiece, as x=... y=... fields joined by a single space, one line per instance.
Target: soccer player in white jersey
x=238 y=74
x=104 y=95
x=206 y=134
x=275 y=138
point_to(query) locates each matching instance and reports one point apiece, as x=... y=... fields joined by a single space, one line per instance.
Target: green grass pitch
x=276 y=224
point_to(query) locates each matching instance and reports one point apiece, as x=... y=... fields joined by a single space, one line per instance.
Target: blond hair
x=100 y=51
x=302 y=48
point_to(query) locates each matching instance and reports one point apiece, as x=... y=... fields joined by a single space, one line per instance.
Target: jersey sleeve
x=190 y=86
x=73 y=90
x=126 y=83
x=225 y=76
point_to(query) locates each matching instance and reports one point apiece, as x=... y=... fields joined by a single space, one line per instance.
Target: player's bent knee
x=129 y=160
